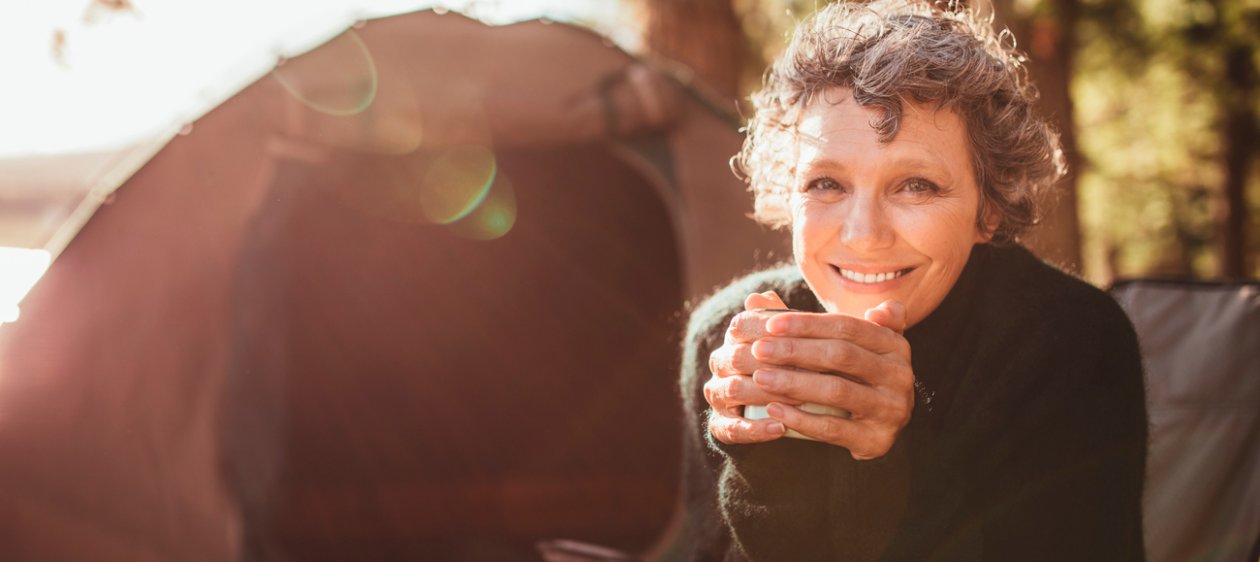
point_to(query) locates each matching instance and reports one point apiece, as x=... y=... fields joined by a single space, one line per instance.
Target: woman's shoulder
x=1046 y=333
x=716 y=309
x=1030 y=300
x=1025 y=290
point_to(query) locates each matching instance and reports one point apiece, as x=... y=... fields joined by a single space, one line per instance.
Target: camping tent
x=415 y=293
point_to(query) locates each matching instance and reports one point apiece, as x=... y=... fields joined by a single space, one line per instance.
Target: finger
x=817 y=388
x=768 y=299
x=824 y=356
x=726 y=394
x=733 y=359
x=748 y=326
x=832 y=326
x=889 y=314
x=863 y=442
x=734 y=430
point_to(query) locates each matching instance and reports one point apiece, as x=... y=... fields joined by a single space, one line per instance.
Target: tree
x=705 y=35
x=1240 y=131
x=1047 y=33
x=1170 y=133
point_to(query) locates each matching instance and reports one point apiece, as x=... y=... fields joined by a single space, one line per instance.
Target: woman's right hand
x=731 y=387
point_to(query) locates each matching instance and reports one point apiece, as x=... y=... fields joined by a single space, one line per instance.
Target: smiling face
x=874 y=221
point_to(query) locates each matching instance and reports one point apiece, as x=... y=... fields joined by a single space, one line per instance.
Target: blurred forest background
x=1156 y=101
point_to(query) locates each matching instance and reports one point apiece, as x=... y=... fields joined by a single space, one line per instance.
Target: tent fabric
x=446 y=80
x=1201 y=349
x=111 y=380
x=118 y=382
x=425 y=395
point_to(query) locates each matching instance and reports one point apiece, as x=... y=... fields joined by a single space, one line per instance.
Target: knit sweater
x=1027 y=441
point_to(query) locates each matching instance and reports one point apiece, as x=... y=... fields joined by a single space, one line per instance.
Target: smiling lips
x=870 y=278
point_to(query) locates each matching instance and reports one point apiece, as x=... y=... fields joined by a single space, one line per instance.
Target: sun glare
x=20 y=268
x=84 y=79
x=81 y=77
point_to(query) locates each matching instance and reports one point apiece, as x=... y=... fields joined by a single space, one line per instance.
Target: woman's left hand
x=875 y=382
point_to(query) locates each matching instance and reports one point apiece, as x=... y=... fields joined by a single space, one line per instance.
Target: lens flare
x=494 y=218
x=338 y=79
x=456 y=182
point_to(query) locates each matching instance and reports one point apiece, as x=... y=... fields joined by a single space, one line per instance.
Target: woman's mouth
x=870 y=278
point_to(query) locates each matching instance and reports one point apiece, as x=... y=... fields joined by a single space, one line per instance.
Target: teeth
x=871 y=278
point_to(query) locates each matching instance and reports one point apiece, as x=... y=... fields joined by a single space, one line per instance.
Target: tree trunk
x=704 y=35
x=1240 y=136
x=1048 y=40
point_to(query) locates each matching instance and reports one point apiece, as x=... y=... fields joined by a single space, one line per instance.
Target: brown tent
x=298 y=333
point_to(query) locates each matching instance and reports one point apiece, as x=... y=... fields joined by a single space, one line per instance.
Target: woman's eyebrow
x=820 y=163
x=933 y=166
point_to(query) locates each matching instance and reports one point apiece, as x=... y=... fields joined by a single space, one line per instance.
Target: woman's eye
x=920 y=186
x=823 y=183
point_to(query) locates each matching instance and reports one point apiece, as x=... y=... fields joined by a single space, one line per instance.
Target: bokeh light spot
x=494 y=218
x=457 y=182
x=339 y=79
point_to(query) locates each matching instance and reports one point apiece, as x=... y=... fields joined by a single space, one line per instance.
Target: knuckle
x=736 y=327
x=711 y=393
x=901 y=377
x=789 y=346
x=742 y=360
x=875 y=449
x=884 y=441
x=837 y=390
x=731 y=391
x=716 y=429
x=902 y=346
x=901 y=412
x=840 y=354
x=719 y=428
x=846 y=328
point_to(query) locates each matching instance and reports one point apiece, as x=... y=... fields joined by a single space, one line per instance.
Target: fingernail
x=775 y=428
x=778 y=325
x=765 y=378
x=763 y=347
x=775 y=410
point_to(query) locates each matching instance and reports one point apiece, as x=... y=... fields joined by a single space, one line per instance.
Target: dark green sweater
x=1027 y=442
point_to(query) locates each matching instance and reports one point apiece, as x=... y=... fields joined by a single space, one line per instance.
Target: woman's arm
x=703 y=532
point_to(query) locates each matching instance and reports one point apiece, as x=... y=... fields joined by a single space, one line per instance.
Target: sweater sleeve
x=705 y=534
x=1060 y=475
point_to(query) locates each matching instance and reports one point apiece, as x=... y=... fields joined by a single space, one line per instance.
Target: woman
x=989 y=407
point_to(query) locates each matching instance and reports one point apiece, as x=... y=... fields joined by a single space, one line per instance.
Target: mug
x=759 y=412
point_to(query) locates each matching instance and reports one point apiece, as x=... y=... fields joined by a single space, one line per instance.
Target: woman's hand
x=731 y=387
x=875 y=382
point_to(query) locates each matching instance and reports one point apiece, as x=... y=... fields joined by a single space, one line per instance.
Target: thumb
x=889 y=314
x=768 y=299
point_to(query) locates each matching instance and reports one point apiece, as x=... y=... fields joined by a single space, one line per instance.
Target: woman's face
x=875 y=221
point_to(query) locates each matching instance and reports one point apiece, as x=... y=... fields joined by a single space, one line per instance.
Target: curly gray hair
x=890 y=50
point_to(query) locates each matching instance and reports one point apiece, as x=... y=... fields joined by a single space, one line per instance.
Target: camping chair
x=1201 y=349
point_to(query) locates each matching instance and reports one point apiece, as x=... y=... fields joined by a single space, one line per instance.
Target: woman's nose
x=865 y=225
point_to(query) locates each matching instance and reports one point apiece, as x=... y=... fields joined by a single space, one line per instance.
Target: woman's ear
x=988 y=224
